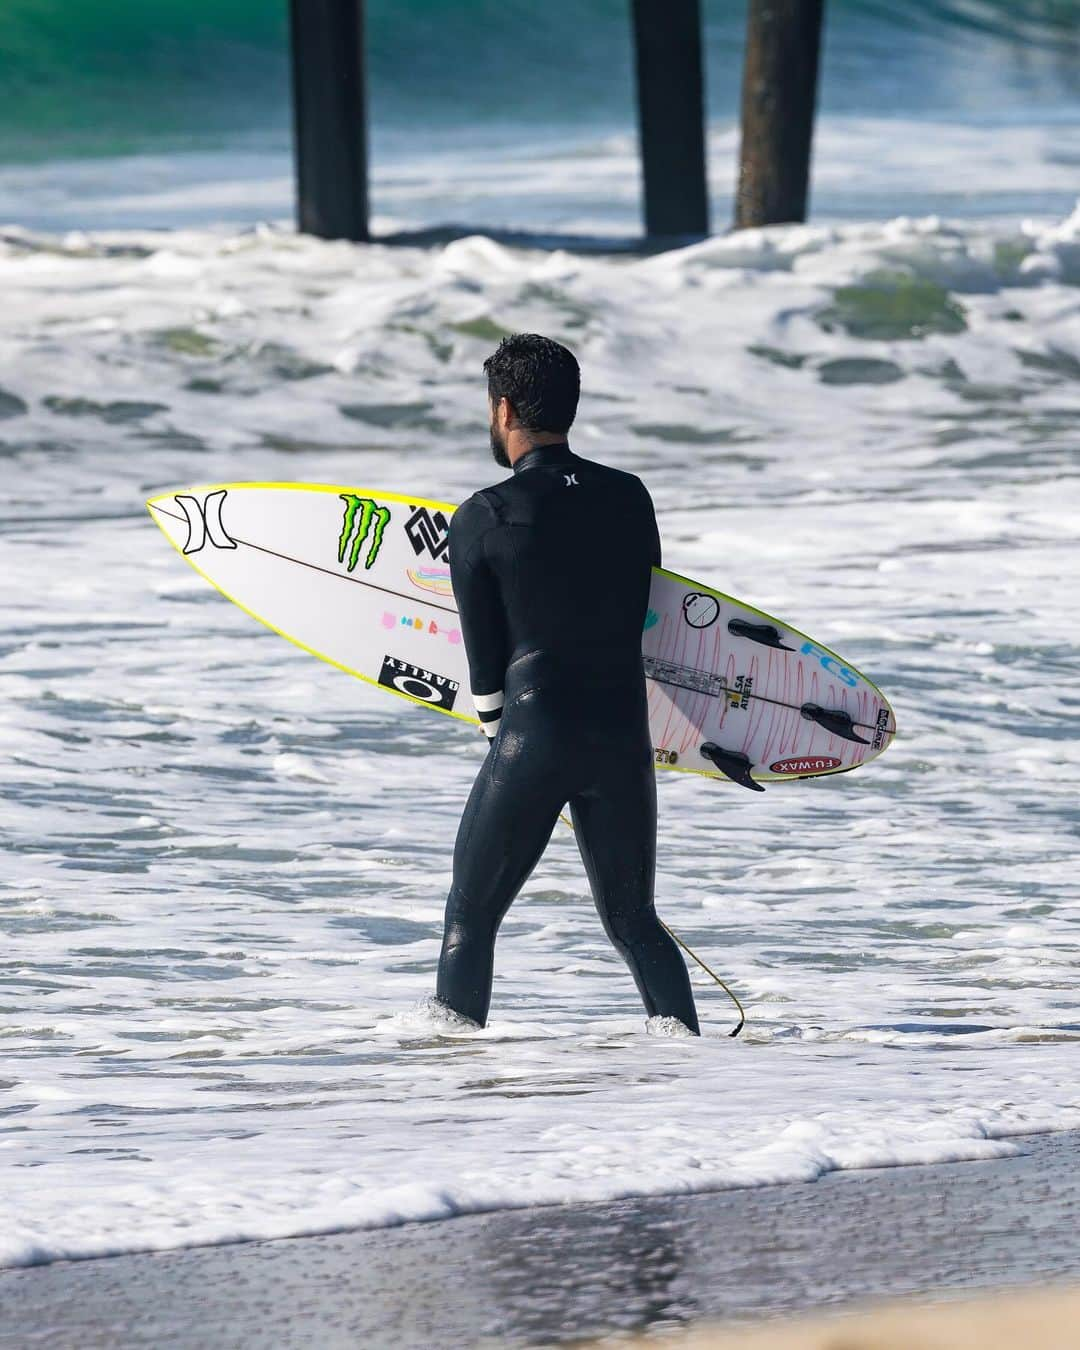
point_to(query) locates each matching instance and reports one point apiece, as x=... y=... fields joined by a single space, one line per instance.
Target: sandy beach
x=1048 y=1319
x=565 y=1273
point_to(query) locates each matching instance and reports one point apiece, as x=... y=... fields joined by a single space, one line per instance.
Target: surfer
x=551 y=573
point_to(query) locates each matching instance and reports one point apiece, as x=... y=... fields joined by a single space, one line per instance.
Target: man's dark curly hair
x=539 y=377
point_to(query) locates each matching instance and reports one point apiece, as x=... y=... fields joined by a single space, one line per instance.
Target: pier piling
x=783 y=45
x=671 y=115
x=330 y=117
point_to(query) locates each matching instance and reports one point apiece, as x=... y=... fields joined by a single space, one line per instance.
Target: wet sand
x=566 y=1273
x=1040 y=1320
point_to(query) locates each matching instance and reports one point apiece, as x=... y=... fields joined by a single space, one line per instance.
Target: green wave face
x=199 y=71
x=72 y=71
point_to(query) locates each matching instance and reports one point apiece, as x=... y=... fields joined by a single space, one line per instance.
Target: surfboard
x=361 y=579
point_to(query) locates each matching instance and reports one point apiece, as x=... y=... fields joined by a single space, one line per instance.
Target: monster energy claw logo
x=360 y=514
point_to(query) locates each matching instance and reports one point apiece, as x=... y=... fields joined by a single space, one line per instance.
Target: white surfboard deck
x=361 y=579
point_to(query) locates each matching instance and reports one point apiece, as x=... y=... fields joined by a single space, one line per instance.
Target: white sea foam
x=589 y=181
x=225 y=863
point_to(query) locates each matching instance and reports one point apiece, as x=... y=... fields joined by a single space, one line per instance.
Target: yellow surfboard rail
x=410 y=500
x=152 y=506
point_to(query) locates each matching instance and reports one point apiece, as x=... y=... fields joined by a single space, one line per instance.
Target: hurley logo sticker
x=204 y=521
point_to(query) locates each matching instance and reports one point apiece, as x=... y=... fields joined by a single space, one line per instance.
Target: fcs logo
x=831 y=664
x=204 y=520
x=361 y=513
x=570 y=480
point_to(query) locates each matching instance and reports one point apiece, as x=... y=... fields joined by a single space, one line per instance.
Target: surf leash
x=690 y=952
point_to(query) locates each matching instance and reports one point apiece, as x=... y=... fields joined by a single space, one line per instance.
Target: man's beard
x=498 y=449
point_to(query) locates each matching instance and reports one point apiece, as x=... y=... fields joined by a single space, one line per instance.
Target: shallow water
x=566 y=1273
x=224 y=864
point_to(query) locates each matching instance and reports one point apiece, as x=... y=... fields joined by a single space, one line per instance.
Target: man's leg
x=505 y=828
x=615 y=822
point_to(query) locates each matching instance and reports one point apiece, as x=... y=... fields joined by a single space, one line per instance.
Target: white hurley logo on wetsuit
x=571 y=480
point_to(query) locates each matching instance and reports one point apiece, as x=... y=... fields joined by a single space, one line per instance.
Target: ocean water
x=507 y=113
x=103 y=78
x=224 y=863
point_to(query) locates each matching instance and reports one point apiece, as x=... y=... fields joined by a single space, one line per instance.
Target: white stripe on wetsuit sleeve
x=489 y=710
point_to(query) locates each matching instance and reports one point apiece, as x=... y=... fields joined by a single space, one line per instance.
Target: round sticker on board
x=699 y=610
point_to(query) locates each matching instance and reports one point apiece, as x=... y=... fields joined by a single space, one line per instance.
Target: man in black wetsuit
x=551 y=571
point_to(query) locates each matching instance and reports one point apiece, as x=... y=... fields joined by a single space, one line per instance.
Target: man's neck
x=518 y=445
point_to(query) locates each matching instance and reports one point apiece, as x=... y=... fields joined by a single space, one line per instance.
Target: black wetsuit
x=551 y=573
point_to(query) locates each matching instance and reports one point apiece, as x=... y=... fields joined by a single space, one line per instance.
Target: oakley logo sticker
x=438 y=690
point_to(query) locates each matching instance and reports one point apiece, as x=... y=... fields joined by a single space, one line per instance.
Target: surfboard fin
x=764 y=633
x=833 y=720
x=732 y=764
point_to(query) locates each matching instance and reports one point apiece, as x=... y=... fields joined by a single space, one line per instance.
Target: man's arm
x=483 y=624
x=652 y=529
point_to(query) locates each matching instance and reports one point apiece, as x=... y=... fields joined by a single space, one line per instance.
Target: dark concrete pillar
x=671 y=115
x=783 y=45
x=330 y=117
